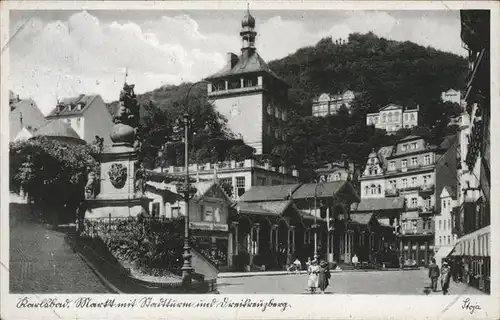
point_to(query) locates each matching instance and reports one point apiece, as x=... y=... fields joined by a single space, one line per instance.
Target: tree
x=53 y=173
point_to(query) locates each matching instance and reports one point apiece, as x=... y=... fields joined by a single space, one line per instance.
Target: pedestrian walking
x=355 y=261
x=313 y=272
x=433 y=274
x=308 y=262
x=445 y=277
x=323 y=276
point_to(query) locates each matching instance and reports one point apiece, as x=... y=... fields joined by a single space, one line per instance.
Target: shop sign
x=208 y=226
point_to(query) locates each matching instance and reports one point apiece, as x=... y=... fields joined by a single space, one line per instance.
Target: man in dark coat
x=433 y=274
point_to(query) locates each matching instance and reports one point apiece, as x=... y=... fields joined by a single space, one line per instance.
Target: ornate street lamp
x=187 y=268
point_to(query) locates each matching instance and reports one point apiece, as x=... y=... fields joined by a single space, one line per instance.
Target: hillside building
x=87 y=115
x=452 y=95
x=392 y=118
x=250 y=95
x=329 y=104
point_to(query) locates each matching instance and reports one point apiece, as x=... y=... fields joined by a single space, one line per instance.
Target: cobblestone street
x=41 y=261
x=373 y=282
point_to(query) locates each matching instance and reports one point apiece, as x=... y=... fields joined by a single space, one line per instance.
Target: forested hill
x=387 y=71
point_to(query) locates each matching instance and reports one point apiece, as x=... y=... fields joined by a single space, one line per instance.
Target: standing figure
x=433 y=274
x=324 y=276
x=313 y=272
x=445 y=277
x=355 y=261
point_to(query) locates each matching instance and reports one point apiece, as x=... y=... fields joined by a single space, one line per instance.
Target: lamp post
x=187 y=267
x=319 y=186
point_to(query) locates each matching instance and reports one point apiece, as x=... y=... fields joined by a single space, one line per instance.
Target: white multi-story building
x=87 y=115
x=393 y=117
x=444 y=239
x=451 y=95
x=327 y=104
x=236 y=177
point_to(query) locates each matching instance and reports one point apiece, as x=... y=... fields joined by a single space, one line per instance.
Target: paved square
x=411 y=282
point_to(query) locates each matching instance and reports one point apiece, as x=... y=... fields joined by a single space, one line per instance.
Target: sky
x=58 y=54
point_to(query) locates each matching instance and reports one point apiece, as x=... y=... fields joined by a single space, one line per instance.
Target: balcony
x=426 y=189
x=427 y=210
x=394 y=192
x=235 y=90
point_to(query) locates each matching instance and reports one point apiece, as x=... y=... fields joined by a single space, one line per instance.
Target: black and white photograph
x=249 y=151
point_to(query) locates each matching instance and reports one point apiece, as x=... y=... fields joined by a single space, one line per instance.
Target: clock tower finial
x=247 y=31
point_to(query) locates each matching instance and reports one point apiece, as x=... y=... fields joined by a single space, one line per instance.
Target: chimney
x=232 y=60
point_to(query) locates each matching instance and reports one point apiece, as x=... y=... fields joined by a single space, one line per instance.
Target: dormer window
x=79 y=106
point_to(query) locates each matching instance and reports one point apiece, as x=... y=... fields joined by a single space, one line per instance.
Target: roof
x=381 y=204
x=450 y=191
x=32 y=117
x=361 y=218
x=410 y=137
x=264 y=207
x=248 y=62
x=57 y=128
x=308 y=190
x=269 y=193
x=86 y=100
x=307 y=216
x=391 y=106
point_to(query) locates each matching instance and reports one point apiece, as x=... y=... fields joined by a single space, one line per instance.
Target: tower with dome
x=250 y=95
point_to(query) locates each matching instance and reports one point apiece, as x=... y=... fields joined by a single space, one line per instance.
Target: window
x=277 y=113
x=276 y=134
x=427 y=159
x=240 y=186
x=208 y=213
x=405 y=183
x=379 y=189
x=390 y=116
x=449 y=240
x=449 y=223
x=403 y=147
x=404 y=162
x=428 y=203
x=269 y=129
x=283 y=115
x=336 y=177
x=176 y=212
x=449 y=204
x=413 y=202
x=393 y=184
x=373 y=189
x=384 y=118
x=156 y=209
x=202 y=212
x=269 y=109
x=426 y=179
x=414 y=161
x=440 y=224
x=376 y=120
x=412 y=117
x=414 y=145
x=392 y=165
x=414 y=181
x=444 y=204
x=366 y=190
x=406 y=117
x=227 y=185
x=439 y=239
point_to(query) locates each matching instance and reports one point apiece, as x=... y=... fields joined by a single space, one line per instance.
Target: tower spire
x=247 y=31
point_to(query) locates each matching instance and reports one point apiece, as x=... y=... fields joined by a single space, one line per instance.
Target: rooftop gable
x=68 y=106
x=391 y=106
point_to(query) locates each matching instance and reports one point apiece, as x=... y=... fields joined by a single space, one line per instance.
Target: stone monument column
x=122 y=178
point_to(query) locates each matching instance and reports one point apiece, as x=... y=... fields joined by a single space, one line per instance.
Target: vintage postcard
x=249 y=160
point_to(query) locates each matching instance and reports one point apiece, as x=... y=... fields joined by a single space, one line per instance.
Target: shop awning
x=473 y=244
x=444 y=251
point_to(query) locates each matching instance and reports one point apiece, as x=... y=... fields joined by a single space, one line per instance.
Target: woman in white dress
x=313 y=272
